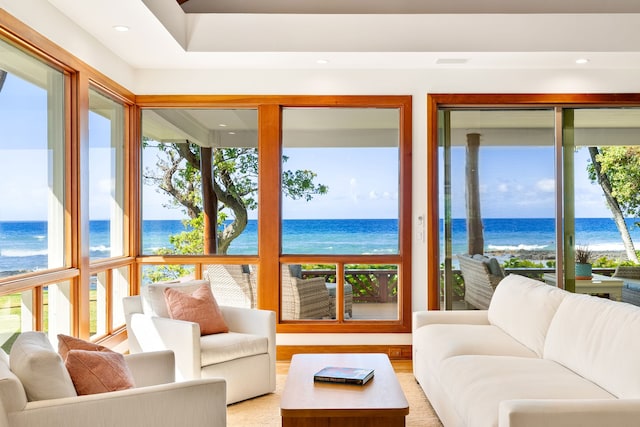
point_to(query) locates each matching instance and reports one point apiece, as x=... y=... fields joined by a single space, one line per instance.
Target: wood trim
x=395 y=352
x=433 y=212
x=269 y=171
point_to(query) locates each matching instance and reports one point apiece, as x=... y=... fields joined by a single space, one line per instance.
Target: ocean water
x=538 y=234
x=23 y=245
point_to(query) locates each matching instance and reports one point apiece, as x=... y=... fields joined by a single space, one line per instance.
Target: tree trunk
x=614 y=206
x=475 y=234
x=209 y=201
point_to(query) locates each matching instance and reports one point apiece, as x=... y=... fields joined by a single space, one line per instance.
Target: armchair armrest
x=468 y=317
x=569 y=412
x=250 y=321
x=195 y=403
x=160 y=333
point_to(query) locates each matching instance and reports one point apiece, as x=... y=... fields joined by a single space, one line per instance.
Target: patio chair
x=304 y=298
x=232 y=285
x=630 y=275
x=481 y=275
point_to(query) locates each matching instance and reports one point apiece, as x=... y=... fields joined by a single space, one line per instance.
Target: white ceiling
x=426 y=34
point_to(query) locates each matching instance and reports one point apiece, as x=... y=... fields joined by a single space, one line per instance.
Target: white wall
x=415 y=82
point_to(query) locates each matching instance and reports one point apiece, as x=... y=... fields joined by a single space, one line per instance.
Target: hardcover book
x=334 y=374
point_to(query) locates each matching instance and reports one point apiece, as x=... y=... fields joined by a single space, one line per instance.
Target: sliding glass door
x=497 y=197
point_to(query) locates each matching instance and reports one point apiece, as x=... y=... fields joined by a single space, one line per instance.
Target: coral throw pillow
x=94 y=368
x=67 y=343
x=200 y=307
x=95 y=372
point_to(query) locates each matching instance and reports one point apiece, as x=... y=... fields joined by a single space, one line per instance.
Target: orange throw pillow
x=200 y=307
x=95 y=372
x=67 y=343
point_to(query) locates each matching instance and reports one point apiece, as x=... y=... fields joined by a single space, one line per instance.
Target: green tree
x=617 y=170
x=235 y=184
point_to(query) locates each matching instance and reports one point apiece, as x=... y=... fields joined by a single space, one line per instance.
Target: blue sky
x=516 y=182
x=363 y=183
x=519 y=182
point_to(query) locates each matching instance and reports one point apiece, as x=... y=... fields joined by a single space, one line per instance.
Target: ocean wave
x=18 y=253
x=521 y=247
x=606 y=247
x=100 y=248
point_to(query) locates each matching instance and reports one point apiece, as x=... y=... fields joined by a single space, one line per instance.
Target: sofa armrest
x=152 y=368
x=160 y=333
x=191 y=403
x=469 y=317
x=569 y=412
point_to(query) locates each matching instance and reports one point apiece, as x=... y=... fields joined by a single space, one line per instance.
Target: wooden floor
x=282 y=367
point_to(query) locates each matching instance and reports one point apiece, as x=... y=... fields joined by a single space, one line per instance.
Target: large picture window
x=32 y=164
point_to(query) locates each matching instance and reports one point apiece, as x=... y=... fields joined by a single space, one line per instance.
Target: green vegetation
x=234 y=193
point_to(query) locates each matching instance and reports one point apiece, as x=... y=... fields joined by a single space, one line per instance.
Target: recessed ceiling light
x=322 y=61
x=121 y=28
x=452 y=60
x=222 y=125
x=582 y=61
x=232 y=133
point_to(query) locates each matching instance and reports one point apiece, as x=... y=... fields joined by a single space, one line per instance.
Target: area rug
x=264 y=411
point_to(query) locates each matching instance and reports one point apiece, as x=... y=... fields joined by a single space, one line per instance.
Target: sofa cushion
x=199 y=307
x=598 y=339
x=39 y=368
x=219 y=348
x=96 y=372
x=523 y=308
x=442 y=341
x=476 y=385
x=12 y=394
x=153 y=302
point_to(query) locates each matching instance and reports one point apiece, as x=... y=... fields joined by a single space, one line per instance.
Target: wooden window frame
x=470 y=101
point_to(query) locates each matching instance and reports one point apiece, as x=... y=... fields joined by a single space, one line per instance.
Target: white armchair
x=245 y=356
x=156 y=400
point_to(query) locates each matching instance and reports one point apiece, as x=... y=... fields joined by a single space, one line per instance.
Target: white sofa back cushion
x=598 y=339
x=40 y=369
x=12 y=394
x=523 y=308
x=153 y=302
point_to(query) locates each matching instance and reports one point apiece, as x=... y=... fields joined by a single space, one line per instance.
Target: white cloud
x=546 y=185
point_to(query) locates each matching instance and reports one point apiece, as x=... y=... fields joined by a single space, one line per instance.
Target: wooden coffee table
x=378 y=403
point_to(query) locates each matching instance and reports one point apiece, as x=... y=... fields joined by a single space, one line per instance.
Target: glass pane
x=497 y=190
x=604 y=193
x=98 y=303
x=307 y=292
x=15 y=317
x=233 y=285
x=374 y=291
x=56 y=311
x=119 y=290
x=340 y=181
x=32 y=167
x=106 y=177
x=166 y=272
x=184 y=214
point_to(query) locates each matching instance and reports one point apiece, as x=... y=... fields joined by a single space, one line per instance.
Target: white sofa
x=539 y=356
x=43 y=394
